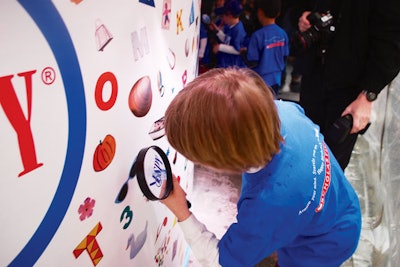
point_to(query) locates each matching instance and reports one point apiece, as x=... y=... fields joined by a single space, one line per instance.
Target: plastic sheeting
x=374 y=171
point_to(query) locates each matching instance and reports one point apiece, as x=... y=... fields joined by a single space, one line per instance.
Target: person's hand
x=176 y=201
x=213 y=27
x=216 y=48
x=360 y=109
x=303 y=23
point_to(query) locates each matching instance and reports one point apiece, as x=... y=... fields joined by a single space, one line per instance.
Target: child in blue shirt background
x=231 y=38
x=268 y=47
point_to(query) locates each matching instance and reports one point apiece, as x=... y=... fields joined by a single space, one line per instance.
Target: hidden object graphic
x=102 y=34
x=140 y=97
x=165 y=240
x=127 y=214
x=86 y=209
x=136 y=243
x=90 y=245
x=104 y=153
x=166 y=13
x=157 y=130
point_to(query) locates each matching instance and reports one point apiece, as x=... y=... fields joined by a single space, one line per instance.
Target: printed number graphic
x=126 y=214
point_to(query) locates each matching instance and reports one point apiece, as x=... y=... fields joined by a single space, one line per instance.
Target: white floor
x=214 y=201
x=216 y=196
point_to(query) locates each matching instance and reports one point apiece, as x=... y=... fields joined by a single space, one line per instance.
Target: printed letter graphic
x=98 y=93
x=140 y=46
x=179 y=25
x=12 y=109
x=89 y=243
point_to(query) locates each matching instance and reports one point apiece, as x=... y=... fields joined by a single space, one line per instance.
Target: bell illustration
x=103 y=35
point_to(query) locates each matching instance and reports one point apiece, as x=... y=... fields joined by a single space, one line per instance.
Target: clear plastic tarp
x=374 y=171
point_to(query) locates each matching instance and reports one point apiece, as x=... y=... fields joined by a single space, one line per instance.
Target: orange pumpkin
x=104 y=153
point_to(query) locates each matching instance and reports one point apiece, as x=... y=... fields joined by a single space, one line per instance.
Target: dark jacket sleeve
x=383 y=62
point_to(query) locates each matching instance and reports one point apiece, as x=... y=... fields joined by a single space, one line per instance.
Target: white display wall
x=84 y=85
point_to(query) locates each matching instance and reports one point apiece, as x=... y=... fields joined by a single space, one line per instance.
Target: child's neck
x=267 y=21
x=234 y=21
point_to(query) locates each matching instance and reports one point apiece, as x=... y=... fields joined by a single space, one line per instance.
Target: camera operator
x=348 y=61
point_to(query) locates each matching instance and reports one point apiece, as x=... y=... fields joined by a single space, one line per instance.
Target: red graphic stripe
x=277 y=44
x=327 y=180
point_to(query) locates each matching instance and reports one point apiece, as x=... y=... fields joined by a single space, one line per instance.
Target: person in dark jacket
x=348 y=61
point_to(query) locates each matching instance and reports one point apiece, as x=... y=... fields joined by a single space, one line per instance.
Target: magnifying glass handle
x=189 y=204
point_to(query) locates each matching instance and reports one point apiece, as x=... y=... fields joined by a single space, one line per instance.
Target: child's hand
x=176 y=201
x=213 y=27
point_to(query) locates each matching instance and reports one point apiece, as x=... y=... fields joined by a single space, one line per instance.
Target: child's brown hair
x=225 y=119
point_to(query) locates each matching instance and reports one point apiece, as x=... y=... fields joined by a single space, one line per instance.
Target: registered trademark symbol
x=48 y=75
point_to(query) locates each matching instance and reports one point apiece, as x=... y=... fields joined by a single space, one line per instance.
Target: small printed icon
x=179 y=25
x=184 y=77
x=104 y=153
x=89 y=243
x=166 y=14
x=140 y=97
x=136 y=244
x=191 y=17
x=171 y=58
x=157 y=129
x=86 y=209
x=103 y=35
x=161 y=87
x=147 y=2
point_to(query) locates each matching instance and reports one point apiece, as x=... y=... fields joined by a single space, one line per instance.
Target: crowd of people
x=342 y=55
x=296 y=202
x=249 y=33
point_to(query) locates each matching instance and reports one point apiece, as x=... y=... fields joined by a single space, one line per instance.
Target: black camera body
x=340 y=129
x=322 y=30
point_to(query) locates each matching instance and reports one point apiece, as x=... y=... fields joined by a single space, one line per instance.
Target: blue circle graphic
x=49 y=21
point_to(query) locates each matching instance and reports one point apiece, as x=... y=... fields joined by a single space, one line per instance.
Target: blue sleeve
x=238 y=36
x=253 y=53
x=203 y=31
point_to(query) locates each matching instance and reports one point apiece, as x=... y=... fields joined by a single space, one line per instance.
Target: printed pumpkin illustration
x=104 y=153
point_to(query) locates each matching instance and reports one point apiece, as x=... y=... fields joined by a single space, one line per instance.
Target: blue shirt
x=269 y=46
x=300 y=204
x=234 y=36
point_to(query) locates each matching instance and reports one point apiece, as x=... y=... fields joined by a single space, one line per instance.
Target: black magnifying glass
x=154 y=175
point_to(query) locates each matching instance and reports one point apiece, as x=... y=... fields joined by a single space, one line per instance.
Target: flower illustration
x=86 y=209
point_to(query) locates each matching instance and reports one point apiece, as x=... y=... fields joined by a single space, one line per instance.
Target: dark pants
x=270 y=261
x=323 y=106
